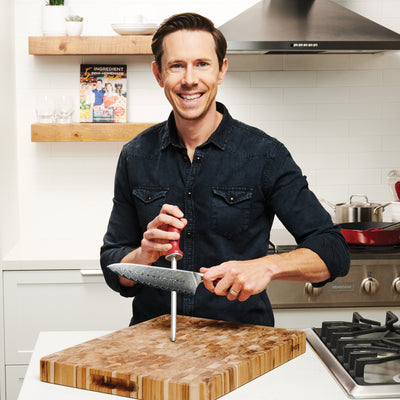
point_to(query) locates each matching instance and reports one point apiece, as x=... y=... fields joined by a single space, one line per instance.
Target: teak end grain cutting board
x=208 y=359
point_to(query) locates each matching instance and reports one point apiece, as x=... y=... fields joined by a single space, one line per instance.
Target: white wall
x=9 y=218
x=338 y=114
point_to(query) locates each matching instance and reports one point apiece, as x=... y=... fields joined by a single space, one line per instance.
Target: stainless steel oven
x=346 y=308
x=373 y=280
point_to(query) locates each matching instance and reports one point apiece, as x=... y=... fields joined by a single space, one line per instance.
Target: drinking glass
x=45 y=110
x=64 y=109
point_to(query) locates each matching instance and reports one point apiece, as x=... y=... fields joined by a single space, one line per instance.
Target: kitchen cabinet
x=88 y=45
x=54 y=300
x=14 y=379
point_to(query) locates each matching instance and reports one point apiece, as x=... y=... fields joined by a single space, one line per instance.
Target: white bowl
x=395 y=206
x=135 y=29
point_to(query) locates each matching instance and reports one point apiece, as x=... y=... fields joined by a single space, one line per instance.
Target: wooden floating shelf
x=90 y=45
x=87 y=132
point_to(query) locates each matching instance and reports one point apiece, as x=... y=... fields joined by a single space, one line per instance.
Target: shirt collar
x=219 y=137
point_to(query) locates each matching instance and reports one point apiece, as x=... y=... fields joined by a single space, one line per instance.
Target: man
x=222 y=182
x=98 y=93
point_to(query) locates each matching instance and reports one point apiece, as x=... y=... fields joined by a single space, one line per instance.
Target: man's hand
x=237 y=279
x=155 y=242
x=156 y=238
x=241 y=279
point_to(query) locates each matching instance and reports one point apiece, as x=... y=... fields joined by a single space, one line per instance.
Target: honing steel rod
x=173 y=256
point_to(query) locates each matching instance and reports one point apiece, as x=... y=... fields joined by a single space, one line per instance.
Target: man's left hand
x=237 y=279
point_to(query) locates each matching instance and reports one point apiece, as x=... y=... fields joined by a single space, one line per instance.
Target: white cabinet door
x=57 y=300
x=14 y=379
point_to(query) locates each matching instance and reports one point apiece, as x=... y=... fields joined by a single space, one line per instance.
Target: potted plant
x=74 y=25
x=53 y=18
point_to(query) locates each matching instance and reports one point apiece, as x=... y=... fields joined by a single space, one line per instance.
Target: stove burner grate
x=369 y=352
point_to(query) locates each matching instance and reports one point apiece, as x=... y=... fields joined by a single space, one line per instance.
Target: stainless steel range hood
x=305 y=26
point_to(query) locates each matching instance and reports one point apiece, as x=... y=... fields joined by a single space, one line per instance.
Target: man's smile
x=190 y=96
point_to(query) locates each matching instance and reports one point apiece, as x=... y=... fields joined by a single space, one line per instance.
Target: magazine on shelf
x=102 y=93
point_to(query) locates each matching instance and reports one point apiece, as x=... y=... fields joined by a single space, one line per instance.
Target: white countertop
x=53 y=254
x=303 y=378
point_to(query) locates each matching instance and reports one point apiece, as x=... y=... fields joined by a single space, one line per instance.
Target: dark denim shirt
x=238 y=180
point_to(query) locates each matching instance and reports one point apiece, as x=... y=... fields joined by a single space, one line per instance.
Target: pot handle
x=359 y=195
x=382 y=206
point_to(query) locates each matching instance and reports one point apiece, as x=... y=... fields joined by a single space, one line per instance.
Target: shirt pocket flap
x=148 y=195
x=233 y=196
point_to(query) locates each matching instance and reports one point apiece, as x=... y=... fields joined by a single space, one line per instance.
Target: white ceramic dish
x=135 y=29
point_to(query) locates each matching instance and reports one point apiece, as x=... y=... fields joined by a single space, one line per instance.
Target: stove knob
x=370 y=285
x=396 y=285
x=311 y=290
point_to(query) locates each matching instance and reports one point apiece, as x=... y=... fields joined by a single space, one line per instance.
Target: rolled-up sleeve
x=302 y=214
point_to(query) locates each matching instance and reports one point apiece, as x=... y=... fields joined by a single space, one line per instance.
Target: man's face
x=99 y=85
x=190 y=73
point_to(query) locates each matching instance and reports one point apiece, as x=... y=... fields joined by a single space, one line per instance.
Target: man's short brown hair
x=192 y=22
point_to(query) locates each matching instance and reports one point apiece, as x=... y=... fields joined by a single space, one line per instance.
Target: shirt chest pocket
x=148 y=201
x=230 y=210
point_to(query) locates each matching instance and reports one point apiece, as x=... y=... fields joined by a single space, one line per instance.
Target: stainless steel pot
x=363 y=211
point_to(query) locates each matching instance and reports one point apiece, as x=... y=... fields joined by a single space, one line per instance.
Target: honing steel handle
x=175 y=250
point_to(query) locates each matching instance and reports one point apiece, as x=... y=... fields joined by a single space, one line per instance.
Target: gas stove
x=363 y=355
x=373 y=281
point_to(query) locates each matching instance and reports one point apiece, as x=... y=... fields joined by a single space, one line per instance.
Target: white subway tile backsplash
x=391 y=111
x=391 y=77
x=285 y=112
x=316 y=62
x=349 y=78
x=373 y=127
x=316 y=95
x=251 y=95
x=252 y=63
x=351 y=177
x=391 y=144
x=349 y=111
x=283 y=79
x=236 y=79
x=384 y=94
x=338 y=114
x=332 y=144
x=336 y=128
x=375 y=159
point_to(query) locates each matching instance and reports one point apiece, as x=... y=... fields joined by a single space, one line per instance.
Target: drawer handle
x=91 y=272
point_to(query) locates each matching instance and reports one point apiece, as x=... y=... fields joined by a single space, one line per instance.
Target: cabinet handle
x=91 y=272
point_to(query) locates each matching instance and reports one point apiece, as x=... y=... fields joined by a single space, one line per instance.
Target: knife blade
x=178 y=280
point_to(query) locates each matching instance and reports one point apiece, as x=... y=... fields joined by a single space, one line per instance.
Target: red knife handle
x=175 y=250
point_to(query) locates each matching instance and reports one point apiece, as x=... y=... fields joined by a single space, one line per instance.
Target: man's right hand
x=156 y=239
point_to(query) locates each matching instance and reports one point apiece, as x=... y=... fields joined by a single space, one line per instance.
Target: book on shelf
x=103 y=93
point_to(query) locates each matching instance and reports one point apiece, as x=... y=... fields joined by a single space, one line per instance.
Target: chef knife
x=181 y=281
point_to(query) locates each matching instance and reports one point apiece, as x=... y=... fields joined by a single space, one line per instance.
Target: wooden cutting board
x=208 y=359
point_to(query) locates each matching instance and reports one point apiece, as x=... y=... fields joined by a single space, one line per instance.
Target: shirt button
x=185 y=158
x=148 y=198
x=189 y=235
x=189 y=193
x=198 y=158
x=231 y=198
